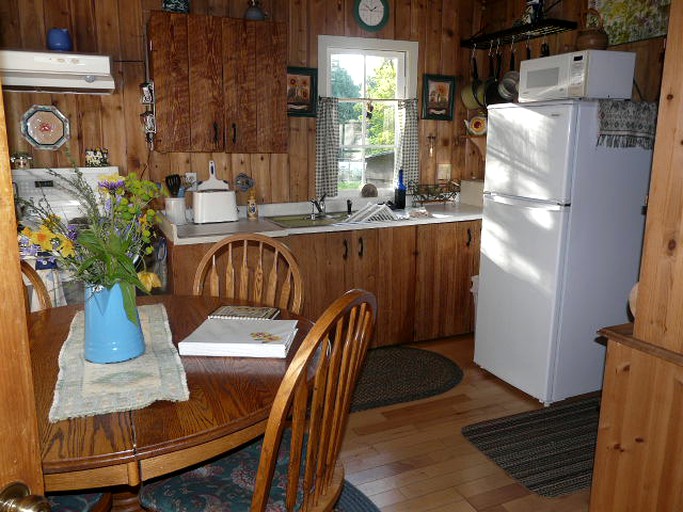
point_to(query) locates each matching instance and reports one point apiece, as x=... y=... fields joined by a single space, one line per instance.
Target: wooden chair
x=254 y=268
x=38 y=286
x=295 y=464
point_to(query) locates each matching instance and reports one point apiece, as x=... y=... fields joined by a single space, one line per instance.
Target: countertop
x=189 y=234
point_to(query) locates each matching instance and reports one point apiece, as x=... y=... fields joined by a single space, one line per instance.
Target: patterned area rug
x=550 y=451
x=396 y=374
x=352 y=500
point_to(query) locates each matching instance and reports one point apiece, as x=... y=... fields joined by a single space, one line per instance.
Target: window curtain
x=327 y=147
x=408 y=154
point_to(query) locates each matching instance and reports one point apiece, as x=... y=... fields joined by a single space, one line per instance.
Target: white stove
x=34 y=184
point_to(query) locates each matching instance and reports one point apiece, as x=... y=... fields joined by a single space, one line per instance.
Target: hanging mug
x=59 y=39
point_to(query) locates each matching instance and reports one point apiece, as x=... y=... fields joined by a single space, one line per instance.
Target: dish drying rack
x=373 y=213
x=433 y=192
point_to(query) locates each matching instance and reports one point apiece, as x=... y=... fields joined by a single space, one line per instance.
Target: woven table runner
x=86 y=389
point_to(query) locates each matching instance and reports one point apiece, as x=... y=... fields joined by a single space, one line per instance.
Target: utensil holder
x=175 y=210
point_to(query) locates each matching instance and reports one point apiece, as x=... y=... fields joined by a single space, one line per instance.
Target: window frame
x=327 y=45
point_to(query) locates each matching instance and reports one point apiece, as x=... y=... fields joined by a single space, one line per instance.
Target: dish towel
x=86 y=389
x=625 y=124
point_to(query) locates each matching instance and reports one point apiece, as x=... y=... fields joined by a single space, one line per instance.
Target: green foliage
x=382 y=84
x=344 y=87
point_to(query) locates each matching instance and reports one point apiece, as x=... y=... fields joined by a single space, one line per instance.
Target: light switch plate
x=443 y=172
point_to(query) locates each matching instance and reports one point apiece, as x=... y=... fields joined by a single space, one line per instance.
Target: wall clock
x=371 y=15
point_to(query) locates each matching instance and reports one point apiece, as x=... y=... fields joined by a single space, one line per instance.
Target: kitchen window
x=369 y=77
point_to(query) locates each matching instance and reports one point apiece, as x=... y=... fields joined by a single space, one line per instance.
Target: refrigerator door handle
x=524 y=202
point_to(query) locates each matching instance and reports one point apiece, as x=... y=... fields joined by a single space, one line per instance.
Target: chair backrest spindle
x=254 y=268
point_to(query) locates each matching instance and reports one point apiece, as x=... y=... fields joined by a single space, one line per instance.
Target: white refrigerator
x=561 y=243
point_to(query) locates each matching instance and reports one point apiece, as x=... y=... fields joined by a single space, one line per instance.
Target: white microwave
x=584 y=74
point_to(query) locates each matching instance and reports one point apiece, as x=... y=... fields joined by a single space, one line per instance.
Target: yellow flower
x=66 y=246
x=149 y=280
x=42 y=238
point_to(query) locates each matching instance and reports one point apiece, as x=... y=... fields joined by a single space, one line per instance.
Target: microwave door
x=544 y=79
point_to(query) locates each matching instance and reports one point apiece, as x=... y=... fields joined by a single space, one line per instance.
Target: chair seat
x=75 y=502
x=224 y=485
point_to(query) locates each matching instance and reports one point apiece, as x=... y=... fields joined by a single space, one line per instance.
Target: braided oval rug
x=396 y=374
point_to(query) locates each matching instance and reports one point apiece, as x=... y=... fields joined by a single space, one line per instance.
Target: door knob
x=17 y=497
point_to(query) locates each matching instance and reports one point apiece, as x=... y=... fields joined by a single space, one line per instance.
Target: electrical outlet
x=190 y=177
x=443 y=172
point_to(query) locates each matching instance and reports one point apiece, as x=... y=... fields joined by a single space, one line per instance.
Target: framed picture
x=45 y=127
x=302 y=91
x=438 y=93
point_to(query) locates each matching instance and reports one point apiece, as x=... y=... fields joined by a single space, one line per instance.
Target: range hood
x=62 y=72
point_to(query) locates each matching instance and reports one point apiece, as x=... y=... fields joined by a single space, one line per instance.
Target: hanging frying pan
x=492 y=95
x=509 y=84
x=469 y=91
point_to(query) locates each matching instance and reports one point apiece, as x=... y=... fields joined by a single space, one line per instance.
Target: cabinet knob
x=360 y=249
x=234 y=133
x=215 y=132
x=469 y=237
x=346 y=249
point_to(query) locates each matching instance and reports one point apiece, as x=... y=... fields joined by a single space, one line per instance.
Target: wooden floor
x=412 y=457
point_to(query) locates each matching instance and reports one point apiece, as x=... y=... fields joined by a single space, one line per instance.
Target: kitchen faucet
x=318 y=204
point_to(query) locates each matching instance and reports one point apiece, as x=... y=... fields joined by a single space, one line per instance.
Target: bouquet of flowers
x=108 y=246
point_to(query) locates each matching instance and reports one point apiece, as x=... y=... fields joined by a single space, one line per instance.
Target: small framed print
x=438 y=94
x=302 y=91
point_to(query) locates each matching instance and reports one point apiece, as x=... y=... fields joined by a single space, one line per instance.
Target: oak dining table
x=229 y=404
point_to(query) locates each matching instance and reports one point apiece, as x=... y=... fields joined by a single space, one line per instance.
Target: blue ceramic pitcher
x=110 y=337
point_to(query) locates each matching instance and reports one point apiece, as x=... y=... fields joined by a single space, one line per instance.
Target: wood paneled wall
x=117 y=28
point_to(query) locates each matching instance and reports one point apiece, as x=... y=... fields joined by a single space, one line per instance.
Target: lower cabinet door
x=447 y=258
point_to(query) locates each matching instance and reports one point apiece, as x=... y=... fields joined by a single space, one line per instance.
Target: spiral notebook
x=245 y=312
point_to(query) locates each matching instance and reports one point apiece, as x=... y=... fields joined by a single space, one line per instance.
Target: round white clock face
x=371 y=12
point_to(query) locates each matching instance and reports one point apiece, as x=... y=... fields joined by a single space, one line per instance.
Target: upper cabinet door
x=205 y=44
x=254 y=74
x=170 y=71
x=271 y=87
x=239 y=79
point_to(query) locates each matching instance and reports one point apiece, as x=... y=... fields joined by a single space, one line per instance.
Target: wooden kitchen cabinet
x=381 y=261
x=219 y=83
x=181 y=264
x=421 y=275
x=447 y=258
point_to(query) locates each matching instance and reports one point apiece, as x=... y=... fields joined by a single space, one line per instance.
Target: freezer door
x=519 y=288
x=529 y=151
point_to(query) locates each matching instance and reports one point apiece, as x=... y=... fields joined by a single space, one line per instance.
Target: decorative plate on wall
x=45 y=127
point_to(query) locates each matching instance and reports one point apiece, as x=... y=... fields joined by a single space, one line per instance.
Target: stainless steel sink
x=305 y=221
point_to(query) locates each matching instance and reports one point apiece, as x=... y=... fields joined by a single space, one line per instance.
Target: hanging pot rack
x=541 y=28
